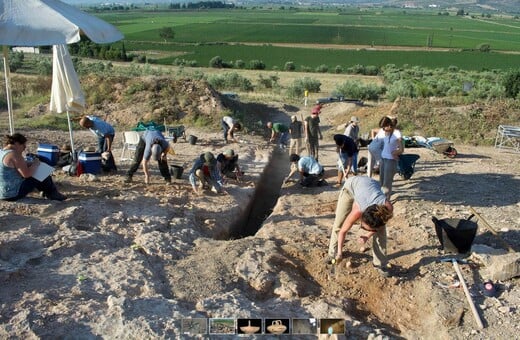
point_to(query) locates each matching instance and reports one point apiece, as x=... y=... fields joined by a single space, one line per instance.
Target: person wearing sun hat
x=352 y=131
x=227 y=164
x=205 y=170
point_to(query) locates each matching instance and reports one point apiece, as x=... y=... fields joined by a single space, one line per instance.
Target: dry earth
x=132 y=261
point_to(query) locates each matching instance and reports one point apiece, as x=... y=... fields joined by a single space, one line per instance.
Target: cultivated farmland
x=311 y=38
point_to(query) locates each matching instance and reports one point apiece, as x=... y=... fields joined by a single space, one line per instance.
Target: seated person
x=227 y=164
x=311 y=172
x=205 y=170
x=16 y=173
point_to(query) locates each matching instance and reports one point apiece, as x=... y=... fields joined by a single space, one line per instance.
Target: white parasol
x=66 y=93
x=44 y=23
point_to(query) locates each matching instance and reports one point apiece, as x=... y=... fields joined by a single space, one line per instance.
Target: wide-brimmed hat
x=354 y=119
x=209 y=158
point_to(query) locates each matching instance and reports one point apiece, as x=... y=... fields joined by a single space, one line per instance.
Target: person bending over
x=361 y=198
x=152 y=145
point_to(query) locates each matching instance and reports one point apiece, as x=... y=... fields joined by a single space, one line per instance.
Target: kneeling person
x=205 y=171
x=311 y=172
x=227 y=164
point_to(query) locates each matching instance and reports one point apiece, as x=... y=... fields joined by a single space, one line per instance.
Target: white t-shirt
x=228 y=120
x=391 y=143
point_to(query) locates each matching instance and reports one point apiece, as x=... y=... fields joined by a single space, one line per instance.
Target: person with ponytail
x=361 y=198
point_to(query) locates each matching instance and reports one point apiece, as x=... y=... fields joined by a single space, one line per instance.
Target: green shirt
x=279 y=128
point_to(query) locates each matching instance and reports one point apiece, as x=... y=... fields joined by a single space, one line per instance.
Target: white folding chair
x=130 y=141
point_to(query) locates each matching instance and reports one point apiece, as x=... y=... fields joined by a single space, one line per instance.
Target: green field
x=201 y=35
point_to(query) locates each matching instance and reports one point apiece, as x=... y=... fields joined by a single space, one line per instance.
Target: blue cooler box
x=48 y=153
x=90 y=162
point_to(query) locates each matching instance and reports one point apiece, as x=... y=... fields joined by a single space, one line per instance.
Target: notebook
x=43 y=171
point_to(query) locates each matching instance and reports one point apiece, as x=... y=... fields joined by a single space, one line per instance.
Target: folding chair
x=130 y=141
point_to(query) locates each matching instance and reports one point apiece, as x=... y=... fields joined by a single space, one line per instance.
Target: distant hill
x=509 y=6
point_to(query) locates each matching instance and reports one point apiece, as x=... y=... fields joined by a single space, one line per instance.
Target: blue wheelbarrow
x=406 y=165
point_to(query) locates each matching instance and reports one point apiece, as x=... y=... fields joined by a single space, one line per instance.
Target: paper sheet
x=43 y=171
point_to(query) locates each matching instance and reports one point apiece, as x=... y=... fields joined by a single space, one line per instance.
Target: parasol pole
x=71 y=137
x=8 y=88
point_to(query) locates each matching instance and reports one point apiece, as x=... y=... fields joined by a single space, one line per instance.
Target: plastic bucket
x=455 y=235
x=192 y=139
x=176 y=171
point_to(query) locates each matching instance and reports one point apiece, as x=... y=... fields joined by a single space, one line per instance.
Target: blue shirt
x=10 y=178
x=213 y=172
x=152 y=137
x=309 y=165
x=100 y=128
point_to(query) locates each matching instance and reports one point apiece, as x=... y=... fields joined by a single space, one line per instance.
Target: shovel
x=466 y=291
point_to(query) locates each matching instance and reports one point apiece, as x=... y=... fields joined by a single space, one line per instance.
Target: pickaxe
x=466 y=291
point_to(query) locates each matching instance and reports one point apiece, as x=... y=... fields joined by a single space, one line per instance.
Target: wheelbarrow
x=444 y=147
x=406 y=165
x=455 y=235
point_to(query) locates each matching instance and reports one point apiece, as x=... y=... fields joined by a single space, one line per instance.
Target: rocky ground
x=134 y=261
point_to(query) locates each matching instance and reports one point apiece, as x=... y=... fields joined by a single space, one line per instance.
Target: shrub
x=15 y=61
x=298 y=87
x=322 y=68
x=338 y=69
x=44 y=66
x=512 y=84
x=269 y=82
x=256 y=65
x=240 y=64
x=216 y=62
x=400 y=88
x=230 y=80
x=355 y=89
x=289 y=66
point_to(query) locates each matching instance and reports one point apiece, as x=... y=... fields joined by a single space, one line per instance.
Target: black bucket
x=176 y=171
x=455 y=235
x=192 y=139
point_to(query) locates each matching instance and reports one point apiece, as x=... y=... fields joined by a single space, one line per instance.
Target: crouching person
x=227 y=165
x=16 y=173
x=311 y=172
x=205 y=171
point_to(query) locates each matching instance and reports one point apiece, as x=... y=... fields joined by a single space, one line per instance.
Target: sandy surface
x=133 y=261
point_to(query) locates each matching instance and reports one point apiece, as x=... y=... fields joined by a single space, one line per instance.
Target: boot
x=55 y=195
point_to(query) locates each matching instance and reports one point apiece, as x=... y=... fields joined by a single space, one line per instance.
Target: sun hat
x=208 y=158
x=156 y=152
x=316 y=109
x=354 y=119
x=229 y=152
